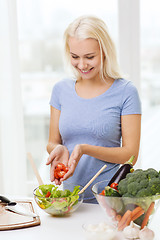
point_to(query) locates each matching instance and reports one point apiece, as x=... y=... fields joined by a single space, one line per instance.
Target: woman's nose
x=82 y=64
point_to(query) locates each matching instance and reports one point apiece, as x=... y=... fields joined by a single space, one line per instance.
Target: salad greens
x=59 y=202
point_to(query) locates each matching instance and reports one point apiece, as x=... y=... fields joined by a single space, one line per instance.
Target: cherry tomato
x=56 y=173
x=103 y=193
x=61 y=174
x=114 y=185
x=60 y=171
x=48 y=194
x=61 y=166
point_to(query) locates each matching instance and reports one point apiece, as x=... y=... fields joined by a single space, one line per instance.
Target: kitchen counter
x=66 y=228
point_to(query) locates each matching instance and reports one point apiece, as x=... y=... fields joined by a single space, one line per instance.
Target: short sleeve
x=55 y=97
x=131 y=103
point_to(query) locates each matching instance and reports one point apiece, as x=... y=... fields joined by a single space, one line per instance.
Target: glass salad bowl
x=58 y=200
x=120 y=211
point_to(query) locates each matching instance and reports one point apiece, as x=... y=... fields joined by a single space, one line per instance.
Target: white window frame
x=129 y=44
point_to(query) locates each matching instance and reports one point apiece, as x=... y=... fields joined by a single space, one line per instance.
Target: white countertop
x=66 y=228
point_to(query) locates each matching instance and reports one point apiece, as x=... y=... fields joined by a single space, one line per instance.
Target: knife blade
x=20 y=210
x=15 y=207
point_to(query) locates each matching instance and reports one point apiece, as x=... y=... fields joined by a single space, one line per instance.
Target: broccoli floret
x=127 y=195
x=140 y=183
x=154 y=186
x=143 y=193
x=151 y=173
x=144 y=183
x=138 y=171
x=133 y=187
x=122 y=186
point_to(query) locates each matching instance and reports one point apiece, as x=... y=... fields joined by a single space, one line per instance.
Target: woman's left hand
x=73 y=161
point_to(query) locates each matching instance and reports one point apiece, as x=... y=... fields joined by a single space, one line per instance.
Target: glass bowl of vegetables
x=135 y=198
x=58 y=200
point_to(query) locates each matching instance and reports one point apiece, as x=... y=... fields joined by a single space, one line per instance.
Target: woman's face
x=85 y=57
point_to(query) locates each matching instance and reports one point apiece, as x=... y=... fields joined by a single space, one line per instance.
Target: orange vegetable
x=103 y=193
x=118 y=217
x=136 y=213
x=125 y=220
x=148 y=213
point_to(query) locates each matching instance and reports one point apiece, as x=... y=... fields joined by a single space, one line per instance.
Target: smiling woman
x=95 y=117
x=41 y=25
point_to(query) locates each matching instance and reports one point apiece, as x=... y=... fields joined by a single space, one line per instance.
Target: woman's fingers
x=51 y=157
x=70 y=171
x=52 y=168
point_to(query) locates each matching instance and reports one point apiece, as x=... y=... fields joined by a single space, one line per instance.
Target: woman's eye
x=75 y=57
x=91 y=57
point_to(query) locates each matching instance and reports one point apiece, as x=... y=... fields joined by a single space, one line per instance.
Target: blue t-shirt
x=95 y=121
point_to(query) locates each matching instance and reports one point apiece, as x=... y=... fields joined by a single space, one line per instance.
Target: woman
x=96 y=118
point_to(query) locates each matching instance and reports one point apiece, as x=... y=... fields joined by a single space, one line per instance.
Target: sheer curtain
x=12 y=147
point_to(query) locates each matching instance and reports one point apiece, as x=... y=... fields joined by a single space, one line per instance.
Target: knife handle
x=7 y=201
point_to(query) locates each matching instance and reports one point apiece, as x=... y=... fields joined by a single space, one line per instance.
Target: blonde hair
x=86 y=27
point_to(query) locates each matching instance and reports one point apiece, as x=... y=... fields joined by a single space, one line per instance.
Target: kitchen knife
x=15 y=207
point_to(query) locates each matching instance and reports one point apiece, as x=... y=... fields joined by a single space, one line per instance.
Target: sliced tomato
x=67 y=169
x=48 y=194
x=61 y=166
x=114 y=185
x=60 y=171
x=61 y=174
x=103 y=193
x=56 y=173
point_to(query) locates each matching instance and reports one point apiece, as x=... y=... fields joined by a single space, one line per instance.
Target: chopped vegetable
x=111 y=192
x=60 y=171
x=103 y=193
x=56 y=201
x=114 y=185
x=48 y=194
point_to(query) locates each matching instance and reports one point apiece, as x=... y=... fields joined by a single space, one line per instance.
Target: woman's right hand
x=59 y=154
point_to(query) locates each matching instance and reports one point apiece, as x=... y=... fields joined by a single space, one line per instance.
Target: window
x=150 y=82
x=41 y=26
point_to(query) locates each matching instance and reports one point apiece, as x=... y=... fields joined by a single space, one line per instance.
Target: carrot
x=118 y=217
x=125 y=220
x=148 y=213
x=136 y=213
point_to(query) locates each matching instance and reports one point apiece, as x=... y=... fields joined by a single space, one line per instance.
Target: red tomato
x=56 y=173
x=60 y=171
x=61 y=166
x=48 y=194
x=61 y=174
x=114 y=185
x=103 y=193
x=67 y=169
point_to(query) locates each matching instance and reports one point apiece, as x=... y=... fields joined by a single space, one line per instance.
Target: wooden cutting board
x=10 y=220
